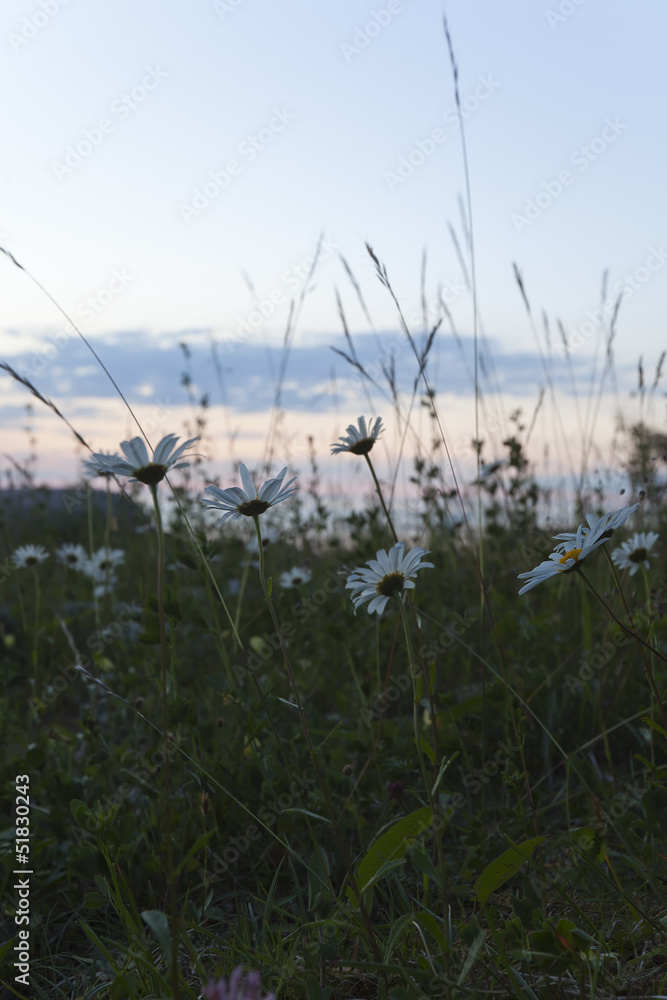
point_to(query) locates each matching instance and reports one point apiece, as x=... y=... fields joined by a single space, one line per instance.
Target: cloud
x=317 y=379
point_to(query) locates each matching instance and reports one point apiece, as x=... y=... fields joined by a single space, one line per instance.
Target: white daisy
x=359 y=439
x=72 y=556
x=636 y=551
x=249 y=501
x=295 y=577
x=97 y=465
x=138 y=464
x=105 y=589
x=29 y=555
x=564 y=559
x=387 y=576
x=103 y=563
x=605 y=525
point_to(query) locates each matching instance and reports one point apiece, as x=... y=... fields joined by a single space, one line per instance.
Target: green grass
x=534 y=718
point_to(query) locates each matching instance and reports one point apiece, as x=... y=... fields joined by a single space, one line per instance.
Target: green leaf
x=127 y=827
x=390 y=846
x=315 y=992
x=504 y=867
x=654 y=725
x=149 y=639
x=197 y=846
x=421 y=860
x=306 y=812
x=79 y=811
x=473 y=952
x=428 y=922
x=256 y=643
x=158 y=923
x=589 y=839
x=173 y=610
x=426 y=748
x=319 y=885
x=396 y=931
x=334 y=632
x=444 y=764
x=94 y=899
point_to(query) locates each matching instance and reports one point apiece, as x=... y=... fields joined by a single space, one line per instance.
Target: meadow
x=344 y=760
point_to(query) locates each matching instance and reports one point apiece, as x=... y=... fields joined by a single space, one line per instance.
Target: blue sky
x=170 y=168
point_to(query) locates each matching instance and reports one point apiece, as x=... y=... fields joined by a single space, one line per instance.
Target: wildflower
x=601 y=529
x=359 y=439
x=240 y=987
x=249 y=501
x=563 y=560
x=72 y=556
x=29 y=555
x=103 y=562
x=138 y=464
x=635 y=552
x=295 y=577
x=576 y=546
x=396 y=789
x=97 y=465
x=387 y=576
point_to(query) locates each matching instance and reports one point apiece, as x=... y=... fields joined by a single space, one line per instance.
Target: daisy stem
x=35 y=651
x=244 y=580
x=647 y=666
x=630 y=631
x=311 y=749
x=165 y=728
x=107 y=527
x=91 y=547
x=422 y=764
x=379 y=493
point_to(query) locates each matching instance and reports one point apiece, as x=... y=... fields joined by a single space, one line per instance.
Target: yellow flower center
x=253 y=507
x=572 y=554
x=151 y=474
x=362 y=447
x=391 y=584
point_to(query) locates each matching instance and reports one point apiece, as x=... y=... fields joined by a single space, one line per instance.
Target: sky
x=169 y=171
